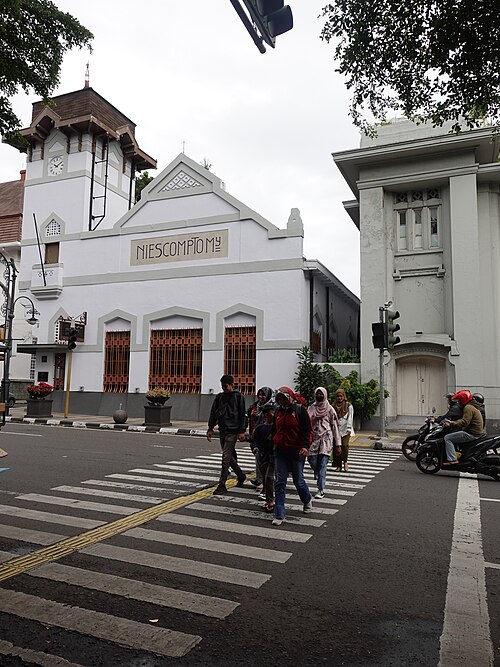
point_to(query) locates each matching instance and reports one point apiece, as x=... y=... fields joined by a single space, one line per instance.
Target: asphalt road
x=389 y=570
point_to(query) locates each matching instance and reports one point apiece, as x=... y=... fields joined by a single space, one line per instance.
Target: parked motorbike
x=481 y=455
x=412 y=443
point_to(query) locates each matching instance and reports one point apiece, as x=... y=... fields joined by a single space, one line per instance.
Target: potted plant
x=156 y=413
x=157 y=396
x=37 y=403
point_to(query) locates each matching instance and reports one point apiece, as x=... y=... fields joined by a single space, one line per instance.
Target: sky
x=191 y=78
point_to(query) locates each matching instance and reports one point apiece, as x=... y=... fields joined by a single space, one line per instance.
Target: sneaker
x=320 y=494
x=241 y=480
x=277 y=522
x=220 y=490
x=254 y=482
x=308 y=507
x=262 y=496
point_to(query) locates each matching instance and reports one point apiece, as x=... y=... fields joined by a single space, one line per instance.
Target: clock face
x=56 y=165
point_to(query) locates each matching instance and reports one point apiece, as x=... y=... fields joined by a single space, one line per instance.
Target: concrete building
x=173 y=291
x=427 y=206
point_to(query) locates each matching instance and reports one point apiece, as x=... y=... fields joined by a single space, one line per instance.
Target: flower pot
x=157 y=415
x=39 y=407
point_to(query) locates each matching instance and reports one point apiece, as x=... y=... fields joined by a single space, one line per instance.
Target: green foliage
x=437 y=61
x=309 y=375
x=343 y=356
x=364 y=397
x=140 y=183
x=34 y=36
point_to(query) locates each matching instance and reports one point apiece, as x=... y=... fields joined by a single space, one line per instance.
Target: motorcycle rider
x=478 y=402
x=455 y=411
x=471 y=425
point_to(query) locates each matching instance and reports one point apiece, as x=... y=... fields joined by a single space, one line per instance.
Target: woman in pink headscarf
x=326 y=434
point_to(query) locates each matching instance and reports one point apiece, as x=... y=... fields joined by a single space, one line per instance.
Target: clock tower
x=82 y=158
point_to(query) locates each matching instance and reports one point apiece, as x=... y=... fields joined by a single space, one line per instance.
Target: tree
x=309 y=375
x=437 y=61
x=140 y=183
x=34 y=36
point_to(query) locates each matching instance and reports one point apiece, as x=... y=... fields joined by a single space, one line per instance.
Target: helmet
x=479 y=398
x=463 y=396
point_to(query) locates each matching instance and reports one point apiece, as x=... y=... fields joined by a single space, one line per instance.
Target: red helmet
x=463 y=396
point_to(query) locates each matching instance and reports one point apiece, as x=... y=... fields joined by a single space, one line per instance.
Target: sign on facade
x=180 y=248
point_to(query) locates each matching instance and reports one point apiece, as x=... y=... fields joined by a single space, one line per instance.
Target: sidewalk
x=18 y=416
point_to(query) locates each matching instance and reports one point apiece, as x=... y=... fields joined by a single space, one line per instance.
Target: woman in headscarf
x=255 y=417
x=325 y=434
x=345 y=414
x=291 y=433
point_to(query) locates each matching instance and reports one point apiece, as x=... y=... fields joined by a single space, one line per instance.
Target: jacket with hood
x=292 y=428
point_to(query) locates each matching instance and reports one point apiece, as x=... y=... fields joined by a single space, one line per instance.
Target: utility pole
x=382 y=431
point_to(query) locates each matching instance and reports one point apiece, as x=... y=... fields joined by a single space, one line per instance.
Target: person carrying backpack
x=292 y=436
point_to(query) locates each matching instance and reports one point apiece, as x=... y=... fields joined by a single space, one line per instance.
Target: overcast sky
x=187 y=73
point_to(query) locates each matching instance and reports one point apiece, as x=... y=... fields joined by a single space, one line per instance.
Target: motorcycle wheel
x=409 y=447
x=428 y=461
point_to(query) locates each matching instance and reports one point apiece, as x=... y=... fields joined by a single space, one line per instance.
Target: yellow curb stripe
x=65 y=547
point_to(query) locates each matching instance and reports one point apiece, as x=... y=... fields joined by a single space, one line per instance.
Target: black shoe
x=220 y=490
x=253 y=482
x=241 y=480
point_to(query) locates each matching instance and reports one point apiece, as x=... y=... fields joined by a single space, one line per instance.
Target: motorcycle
x=481 y=455
x=411 y=445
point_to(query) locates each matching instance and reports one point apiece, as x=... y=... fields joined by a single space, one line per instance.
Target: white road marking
x=466 y=636
x=290 y=502
x=80 y=491
x=34 y=657
x=131 y=634
x=250 y=514
x=227 y=526
x=330 y=492
x=80 y=504
x=25 y=435
x=491 y=500
x=165 y=473
x=494 y=566
x=124 y=485
x=132 y=589
x=187 y=566
x=151 y=480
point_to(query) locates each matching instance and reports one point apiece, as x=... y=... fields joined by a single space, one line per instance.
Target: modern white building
x=427 y=204
x=174 y=291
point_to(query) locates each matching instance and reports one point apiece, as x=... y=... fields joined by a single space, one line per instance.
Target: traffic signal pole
x=382 y=431
x=69 y=356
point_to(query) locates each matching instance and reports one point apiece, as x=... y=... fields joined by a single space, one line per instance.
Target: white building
x=428 y=209
x=186 y=285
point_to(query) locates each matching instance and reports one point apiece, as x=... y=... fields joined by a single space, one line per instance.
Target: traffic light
x=72 y=336
x=391 y=328
x=379 y=335
x=272 y=18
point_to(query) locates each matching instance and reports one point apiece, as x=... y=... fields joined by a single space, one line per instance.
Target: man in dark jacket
x=228 y=411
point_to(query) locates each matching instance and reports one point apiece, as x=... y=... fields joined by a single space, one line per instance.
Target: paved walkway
x=178 y=427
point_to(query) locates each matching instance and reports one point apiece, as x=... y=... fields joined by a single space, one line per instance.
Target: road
x=392 y=568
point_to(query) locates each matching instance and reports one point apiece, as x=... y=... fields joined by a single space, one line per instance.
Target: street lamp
x=8 y=287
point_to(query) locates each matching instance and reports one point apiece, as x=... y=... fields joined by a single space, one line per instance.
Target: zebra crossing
x=197 y=560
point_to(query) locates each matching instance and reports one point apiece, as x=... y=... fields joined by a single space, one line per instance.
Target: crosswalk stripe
x=34 y=657
x=74 y=502
x=148 y=500
x=174 y=598
x=156 y=536
x=227 y=526
x=246 y=490
x=290 y=502
x=162 y=641
x=187 y=566
x=151 y=480
x=250 y=514
x=125 y=485
x=166 y=473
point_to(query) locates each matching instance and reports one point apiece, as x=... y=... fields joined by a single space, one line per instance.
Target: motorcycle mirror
x=434 y=410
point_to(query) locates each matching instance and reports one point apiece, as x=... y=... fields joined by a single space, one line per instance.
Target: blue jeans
x=451 y=438
x=319 y=464
x=286 y=463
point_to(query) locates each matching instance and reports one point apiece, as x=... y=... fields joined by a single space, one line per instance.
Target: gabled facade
x=185 y=285
x=428 y=209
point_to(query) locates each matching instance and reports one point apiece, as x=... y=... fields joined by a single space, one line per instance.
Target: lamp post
x=9 y=289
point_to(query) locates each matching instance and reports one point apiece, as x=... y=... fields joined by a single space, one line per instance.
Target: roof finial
x=87 y=76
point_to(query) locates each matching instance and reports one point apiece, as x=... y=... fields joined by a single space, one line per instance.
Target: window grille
x=32 y=367
x=240 y=351
x=316 y=341
x=417 y=195
x=175 y=360
x=402 y=242
x=116 y=361
x=400 y=197
x=417 y=220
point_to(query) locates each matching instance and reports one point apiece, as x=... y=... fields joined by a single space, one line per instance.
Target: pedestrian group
x=283 y=433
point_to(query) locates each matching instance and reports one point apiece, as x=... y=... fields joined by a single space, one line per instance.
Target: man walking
x=228 y=411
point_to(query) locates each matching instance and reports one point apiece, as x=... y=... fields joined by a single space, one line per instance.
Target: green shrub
x=309 y=375
x=364 y=397
x=343 y=356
